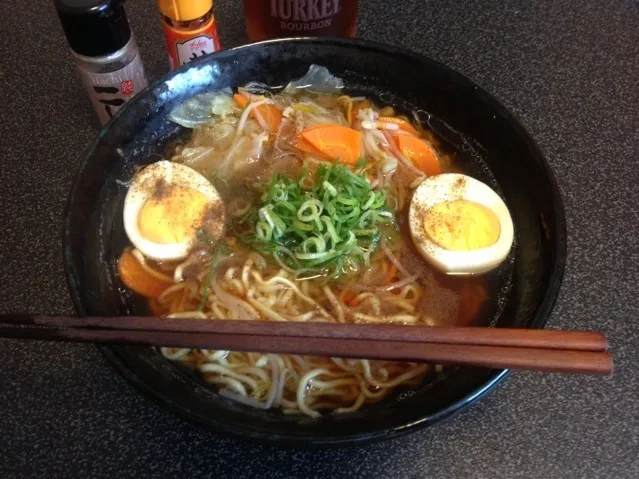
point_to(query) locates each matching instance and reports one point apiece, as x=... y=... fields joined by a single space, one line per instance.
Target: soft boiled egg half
x=460 y=225
x=165 y=207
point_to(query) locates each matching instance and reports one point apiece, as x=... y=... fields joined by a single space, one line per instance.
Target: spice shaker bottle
x=104 y=51
x=189 y=28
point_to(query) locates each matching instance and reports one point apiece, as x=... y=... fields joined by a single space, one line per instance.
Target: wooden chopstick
x=542 y=350
x=512 y=337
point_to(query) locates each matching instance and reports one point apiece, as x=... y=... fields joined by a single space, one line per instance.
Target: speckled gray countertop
x=568 y=69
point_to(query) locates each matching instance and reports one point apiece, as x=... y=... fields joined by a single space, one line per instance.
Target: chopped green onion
x=330 y=188
x=325 y=223
x=346 y=201
x=314 y=206
x=316 y=242
x=369 y=201
x=263 y=231
x=365 y=232
x=331 y=229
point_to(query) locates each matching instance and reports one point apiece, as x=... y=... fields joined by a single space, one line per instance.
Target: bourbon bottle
x=293 y=18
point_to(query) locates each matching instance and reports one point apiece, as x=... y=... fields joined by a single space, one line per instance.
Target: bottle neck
x=195 y=24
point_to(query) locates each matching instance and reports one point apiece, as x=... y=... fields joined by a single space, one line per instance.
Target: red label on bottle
x=272 y=18
x=303 y=10
x=126 y=87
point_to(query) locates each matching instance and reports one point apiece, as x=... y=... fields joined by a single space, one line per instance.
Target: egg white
x=445 y=187
x=143 y=187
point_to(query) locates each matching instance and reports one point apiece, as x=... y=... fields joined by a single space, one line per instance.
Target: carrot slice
x=241 y=100
x=338 y=142
x=403 y=125
x=300 y=143
x=269 y=112
x=420 y=153
x=136 y=278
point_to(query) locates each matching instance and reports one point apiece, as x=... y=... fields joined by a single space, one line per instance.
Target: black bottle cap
x=94 y=28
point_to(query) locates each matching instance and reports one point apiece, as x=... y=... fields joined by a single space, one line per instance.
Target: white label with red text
x=194 y=47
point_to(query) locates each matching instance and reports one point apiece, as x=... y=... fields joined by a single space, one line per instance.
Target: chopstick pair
x=540 y=350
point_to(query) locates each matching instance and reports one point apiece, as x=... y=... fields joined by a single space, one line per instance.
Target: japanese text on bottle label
x=109 y=91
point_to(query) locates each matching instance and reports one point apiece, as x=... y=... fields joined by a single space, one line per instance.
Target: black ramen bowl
x=470 y=123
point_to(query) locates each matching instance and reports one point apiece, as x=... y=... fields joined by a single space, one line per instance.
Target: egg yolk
x=172 y=217
x=461 y=225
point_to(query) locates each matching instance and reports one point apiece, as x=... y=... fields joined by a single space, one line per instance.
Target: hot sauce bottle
x=292 y=18
x=189 y=28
